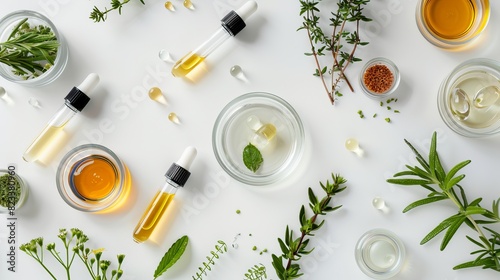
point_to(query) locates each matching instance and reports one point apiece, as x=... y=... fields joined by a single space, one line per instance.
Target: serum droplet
x=379 y=204
x=34 y=102
x=169 y=6
x=173 y=118
x=156 y=94
x=238 y=73
x=165 y=56
x=352 y=145
x=188 y=4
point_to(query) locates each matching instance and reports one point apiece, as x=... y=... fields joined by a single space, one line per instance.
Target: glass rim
x=62 y=51
x=442 y=97
x=63 y=173
x=220 y=128
x=463 y=41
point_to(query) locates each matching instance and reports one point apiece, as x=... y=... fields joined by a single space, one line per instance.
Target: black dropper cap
x=77 y=97
x=178 y=171
x=233 y=23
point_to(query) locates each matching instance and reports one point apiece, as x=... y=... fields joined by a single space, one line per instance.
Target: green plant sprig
x=256 y=272
x=293 y=247
x=29 y=50
x=432 y=173
x=341 y=43
x=220 y=248
x=74 y=245
x=97 y=15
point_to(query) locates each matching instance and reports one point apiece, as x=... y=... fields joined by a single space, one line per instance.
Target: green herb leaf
x=172 y=256
x=252 y=158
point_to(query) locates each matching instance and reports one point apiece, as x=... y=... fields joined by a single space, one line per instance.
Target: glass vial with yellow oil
x=231 y=25
x=177 y=175
x=47 y=141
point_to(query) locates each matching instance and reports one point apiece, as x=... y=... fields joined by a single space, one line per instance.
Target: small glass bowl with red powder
x=379 y=78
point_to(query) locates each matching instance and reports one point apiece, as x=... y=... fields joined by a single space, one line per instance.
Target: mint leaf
x=252 y=158
x=171 y=256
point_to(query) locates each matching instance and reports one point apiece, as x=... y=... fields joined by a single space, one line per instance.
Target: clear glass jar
x=378 y=86
x=380 y=254
x=452 y=24
x=13 y=185
x=232 y=131
x=91 y=178
x=8 y=23
x=469 y=98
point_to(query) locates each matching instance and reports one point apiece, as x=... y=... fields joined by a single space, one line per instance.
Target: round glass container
x=232 y=132
x=469 y=98
x=452 y=23
x=7 y=25
x=92 y=178
x=13 y=190
x=379 y=78
x=380 y=254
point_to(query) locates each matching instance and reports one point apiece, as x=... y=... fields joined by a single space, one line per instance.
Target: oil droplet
x=486 y=97
x=156 y=94
x=173 y=118
x=34 y=102
x=238 y=73
x=352 y=145
x=169 y=6
x=165 y=56
x=460 y=104
x=2 y=92
x=188 y=4
x=379 y=204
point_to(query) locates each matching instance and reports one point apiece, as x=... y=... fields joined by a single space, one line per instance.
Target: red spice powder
x=378 y=78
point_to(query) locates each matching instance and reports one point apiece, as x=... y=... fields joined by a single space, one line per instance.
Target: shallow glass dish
x=8 y=23
x=469 y=98
x=379 y=78
x=452 y=24
x=14 y=186
x=380 y=254
x=231 y=133
x=91 y=178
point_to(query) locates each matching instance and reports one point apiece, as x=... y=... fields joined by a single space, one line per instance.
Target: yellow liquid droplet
x=155 y=94
x=352 y=145
x=173 y=117
x=188 y=4
x=169 y=6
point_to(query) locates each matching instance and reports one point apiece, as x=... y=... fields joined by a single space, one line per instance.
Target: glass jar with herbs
x=13 y=190
x=32 y=51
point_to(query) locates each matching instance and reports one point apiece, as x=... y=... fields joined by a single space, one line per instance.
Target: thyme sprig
x=432 y=173
x=29 y=50
x=97 y=15
x=74 y=246
x=341 y=43
x=293 y=247
x=220 y=248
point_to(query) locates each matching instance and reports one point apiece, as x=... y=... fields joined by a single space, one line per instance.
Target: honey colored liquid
x=152 y=216
x=450 y=19
x=94 y=178
x=186 y=64
x=268 y=131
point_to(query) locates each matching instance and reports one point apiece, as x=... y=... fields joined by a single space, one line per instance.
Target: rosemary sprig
x=97 y=15
x=74 y=245
x=294 y=247
x=432 y=173
x=341 y=44
x=220 y=248
x=29 y=50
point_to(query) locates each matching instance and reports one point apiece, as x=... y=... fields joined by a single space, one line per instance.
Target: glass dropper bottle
x=231 y=25
x=48 y=140
x=177 y=175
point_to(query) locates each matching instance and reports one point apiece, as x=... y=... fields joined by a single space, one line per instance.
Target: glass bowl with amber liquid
x=452 y=24
x=91 y=178
x=469 y=98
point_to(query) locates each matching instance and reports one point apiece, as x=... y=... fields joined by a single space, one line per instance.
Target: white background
x=124 y=52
